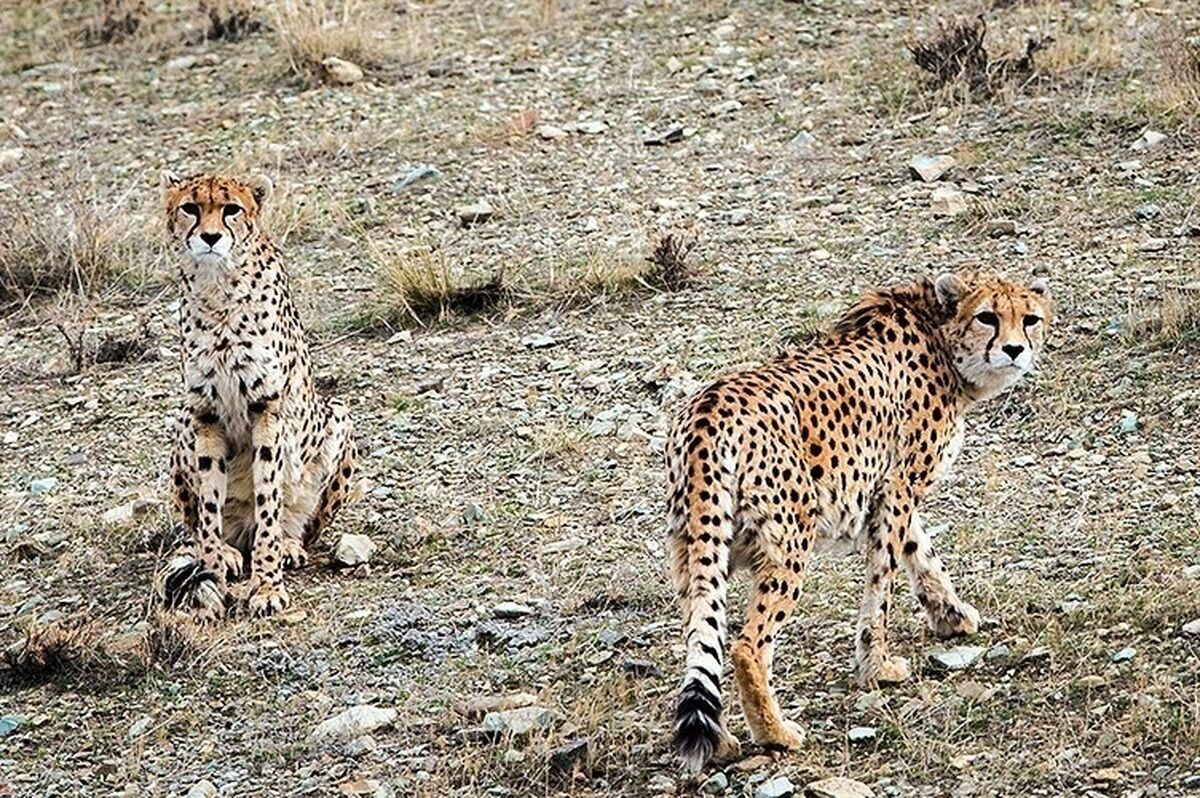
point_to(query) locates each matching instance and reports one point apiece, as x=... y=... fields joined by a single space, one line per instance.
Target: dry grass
x=956 y=55
x=1174 y=92
x=231 y=20
x=115 y=21
x=425 y=287
x=310 y=31
x=1174 y=321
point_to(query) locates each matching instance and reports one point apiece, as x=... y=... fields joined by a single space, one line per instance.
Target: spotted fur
x=260 y=463
x=839 y=442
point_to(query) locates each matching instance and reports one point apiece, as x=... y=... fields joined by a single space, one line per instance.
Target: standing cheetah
x=260 y=463
x=838 y=442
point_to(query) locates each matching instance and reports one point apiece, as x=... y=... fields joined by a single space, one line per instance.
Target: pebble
x=1001 y=227
x=511 y=609
x=1147 y=211
x=1035 y=655
x=566 y=757
x=475 y=213
x=140 y=726
x=10 y=723
x=203 y=789
x=1128 y=423
x=929 y=168
x=124 y=515
x=44 y=485
x=478 y=707
x=724 y=108
x=861 y=734
x=670 y=135
x=1148 y=140
x=550 y=132
x=802 y=142
x=1192 y=627
x=947 y=201
x=838 y=787
x=519 y=722
x=360 y=745
x=591 y=127
x=780 y=787
x=354 y=722
x=10 y=155
x=341 y=71
x=542 y=341
x=956 y=659
x=1124 y=655
x=418 y=174
x=353 y=550
x=473 y=514
x=716 y=784
x=1152 y=245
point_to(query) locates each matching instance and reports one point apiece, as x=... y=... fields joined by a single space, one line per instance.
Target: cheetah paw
x=786 y=735
x=954 y=620
x=186 y=585
x=232 y=559
x=267 y=599
x=294 y=556
x=883 y=670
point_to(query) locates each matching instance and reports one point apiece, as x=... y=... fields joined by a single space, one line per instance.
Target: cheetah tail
x=701 y=547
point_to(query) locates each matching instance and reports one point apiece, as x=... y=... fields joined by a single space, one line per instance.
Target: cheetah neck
x=217 y=291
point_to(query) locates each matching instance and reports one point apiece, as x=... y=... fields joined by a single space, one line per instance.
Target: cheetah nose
x=1013 y=350
x=212 y=238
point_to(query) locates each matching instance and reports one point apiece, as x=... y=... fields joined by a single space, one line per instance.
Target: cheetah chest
x=228 y=375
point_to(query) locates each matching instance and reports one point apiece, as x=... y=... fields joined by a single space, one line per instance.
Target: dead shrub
x=56 y=649
x=139 y=345
x=231 y=20
x=171 y=642
x=310 y=31
x=957 y=55
x=1174 y=320
x=116 y=21
x=671 y=270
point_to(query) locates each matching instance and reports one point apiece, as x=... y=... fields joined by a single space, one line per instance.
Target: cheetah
x=260 y=463
x=835 y=444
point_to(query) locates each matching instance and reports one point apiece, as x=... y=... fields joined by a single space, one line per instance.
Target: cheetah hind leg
x=341 y=442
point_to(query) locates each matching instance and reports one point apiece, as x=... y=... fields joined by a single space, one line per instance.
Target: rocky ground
x=514 y=632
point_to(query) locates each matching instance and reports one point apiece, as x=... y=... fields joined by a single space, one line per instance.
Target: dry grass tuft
x=428 y=289
x=231 y=20
x=957 y=55
x=1175 y=92
x=671 y=270
x=137 y=346
x=56 y=649
x=310 y=31
x=1174 y=321
x=171 y=642
x=116 y=20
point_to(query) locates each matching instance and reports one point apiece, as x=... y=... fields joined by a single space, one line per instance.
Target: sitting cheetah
x=835 y=443
x=260 y=463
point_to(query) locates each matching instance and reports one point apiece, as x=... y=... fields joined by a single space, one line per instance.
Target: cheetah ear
x=950 y=289
x=261 y=187
x=1040 y=286
x=169 y=179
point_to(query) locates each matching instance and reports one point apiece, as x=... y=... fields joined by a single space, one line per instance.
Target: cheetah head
x=212 y=217
x=996 y=328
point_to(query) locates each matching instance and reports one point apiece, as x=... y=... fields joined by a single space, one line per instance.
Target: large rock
x=353 y=550
x=519 y=722
x=956 y=659
x=928 y=168
x=355 y=721
x=838 y=787
x=341 y=71
x=947 y=201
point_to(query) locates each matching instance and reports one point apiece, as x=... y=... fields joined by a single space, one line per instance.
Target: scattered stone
x=1092 y=682
x=592 y=127
x=1108 y=775
x=724 y=108
x=753 y=763
x=1192 y=627
x=780 y=787
x=1190 y=782
x=955 y=659
x=203 y=789
x=519 y=722
x=1124 y=655
x=998 y=654
x=1128 y=423
x=567 y=757
x=802 y=142
x=354 y=722
x=838 y=787
x=511 y=609
x=550 y=132
x=929 y=168
x=9 y=724
x=476 y=708
x=418 y=174
x=1148 y=141
x=441 y=67
x=10 y=155
x=565 y=545
x=1072 y=604
x=473 y=514
x=1147 y=211
x=360 y=745
x=671 y=135
x=341 y=71
x=140 y=727
x=1001 y=227
x=43 y=485
x=716 y=784
x=125 y=514
x=947 y=201
x=1152 y=245
x=1035 y=656
x=861 y=734
x=543 y=341
x=352 y=550
x=476 y=213
x=641 y=667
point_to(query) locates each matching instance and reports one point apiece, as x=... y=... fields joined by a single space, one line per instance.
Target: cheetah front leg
x=947 y=614
x=195 y=580
x=267 y=594
x=888 y=529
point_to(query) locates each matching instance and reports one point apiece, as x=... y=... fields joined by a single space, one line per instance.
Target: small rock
x=565 y=758
x=780 y=787
x=1092 y=682
x=928 y=168
x=753 y=763
x=473 y=514
x=716 y=784
x=670 y=135
x=1152 y=245
x=1190 y=782
x=203 y=789
x=641 y=667
x=511 y=609
x=181 y=63
x=1147 y=211
x=947 y=201
x=476 y=708
x=861 y=734
x=418 y=174
x=1148 y=140
x=1192 y=627
x=1001 y=227
x=802 y=142
x=354 y=722
x=441 y=68
x=550 y=132
x=724 y=108
x=838 y=787
x=955 y=659
x=1128 y=423
x=592 y=127
x=542 y=341
x=360 y=745
x=1035 y=655
x=353 y=550
x=140 y=727
x=519 y=722
x=125 y=514
x=474 y=214
x=9 y=724
x=565 y=545
x=44 y=485
x=10 y=155
x=1124 y=655
x=1108 y=775
x=341 y=71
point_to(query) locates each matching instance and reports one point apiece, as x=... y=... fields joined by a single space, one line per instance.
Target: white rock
x=838 y=787
x=124 y=514
x=474 y=213
x=957 y=658
x=780 y=787
x=10 y=155
x=354 y=722
x=1192 y=627
x=861 y=734
x=1149 y=140
x=511 y=609
x=140 y=727
x=353 y=550
x=341 y=71
x=550 y=132
x=947 y=201
x=929 y=168
x=519 y=722
x=592 y=127
x=202 y=789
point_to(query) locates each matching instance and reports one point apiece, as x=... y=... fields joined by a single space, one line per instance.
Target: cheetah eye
x=1031 y=320
x=988 y=318
x=231 y=211
x=191 y=209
